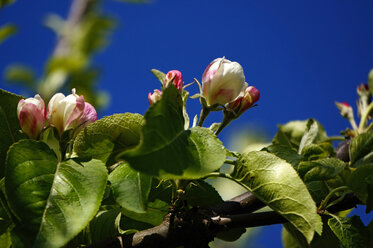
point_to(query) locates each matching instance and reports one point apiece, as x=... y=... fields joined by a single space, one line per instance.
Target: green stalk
x=364 y=117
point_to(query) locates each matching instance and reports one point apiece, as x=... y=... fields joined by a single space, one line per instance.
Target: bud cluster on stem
x=63 y=112
x=223 y=84
x=172 y=77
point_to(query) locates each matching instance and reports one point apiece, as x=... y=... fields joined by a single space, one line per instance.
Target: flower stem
x=364 y=117
x=227 y=176
x=330 y=195
x=204 y=113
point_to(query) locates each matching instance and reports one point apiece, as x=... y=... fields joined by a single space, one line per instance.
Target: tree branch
x=198 y=226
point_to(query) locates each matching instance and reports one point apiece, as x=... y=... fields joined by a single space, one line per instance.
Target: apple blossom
x=156 y=96
x=222 y=81
x=65 y=112
x=176 y=77
x=32 y=115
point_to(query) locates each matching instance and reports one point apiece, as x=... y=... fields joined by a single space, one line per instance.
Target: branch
x=198 y=226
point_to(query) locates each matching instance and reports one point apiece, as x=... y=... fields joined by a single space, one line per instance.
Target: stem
x=334 y=138
x=223 y=175
x=369 y=127
x=330 y=195
x=364 y=117
x=204 y=113
x=223 y=124
x=230 y=161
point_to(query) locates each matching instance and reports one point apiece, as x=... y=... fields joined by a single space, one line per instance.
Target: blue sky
x=301 y=55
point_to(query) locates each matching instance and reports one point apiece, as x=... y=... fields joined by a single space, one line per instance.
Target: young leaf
x=276 y=183
x=105 y=138
x=350 y=231
x=360 y=146
x=322 y=169
x=54 y=200
x=9 y=124
x=159 y=75
x=317 y=151
x=314 y=132
x=130 y=188
x=167 y=150
x=6 y=31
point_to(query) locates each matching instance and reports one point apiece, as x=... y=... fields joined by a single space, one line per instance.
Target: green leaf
x=318 y=151
x=360 y=181
x=292 y=133
x=56 y=199
x=294 y=239
x=322 y=169
x=314 y=133
x=286 y=153
x=3 y=3
x=167 y=150
x=106 y=224
x=105 y=138
x=318 y=190
x=9 y=124
x=277 y=184
x=370 y=81
x=154 y=213
x=350 y=231
x=361 y=146
x=6 y=31
x=5 y=240
x=131 y=188
x=159 y=75
x=20 y=74
x=202 y=194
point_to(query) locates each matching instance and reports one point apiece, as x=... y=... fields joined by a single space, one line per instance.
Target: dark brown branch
x=197 y=227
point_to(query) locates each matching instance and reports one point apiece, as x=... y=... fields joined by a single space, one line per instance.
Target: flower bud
x=364 y=98
x=155 y=97
x=222 y=81
x=245 y=100
x=89 y=116
x=65 y=112
x=32 y=115
x=345 y=110
x=176 y=78
x=363 y=90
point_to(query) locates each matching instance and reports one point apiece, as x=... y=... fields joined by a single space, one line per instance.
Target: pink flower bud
x=363 y=89
x=245 y=100
x=65 y=112
x=345 y=110
x=222 y=81
x=89 y=116
x=156 y=96
x=176 y=77
x=32 y=115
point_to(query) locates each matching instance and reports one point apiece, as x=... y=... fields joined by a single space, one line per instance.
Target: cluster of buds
x=364 y=98
x=63 y=113
x=347 y=112
x=224 y=84
x=172 y=77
